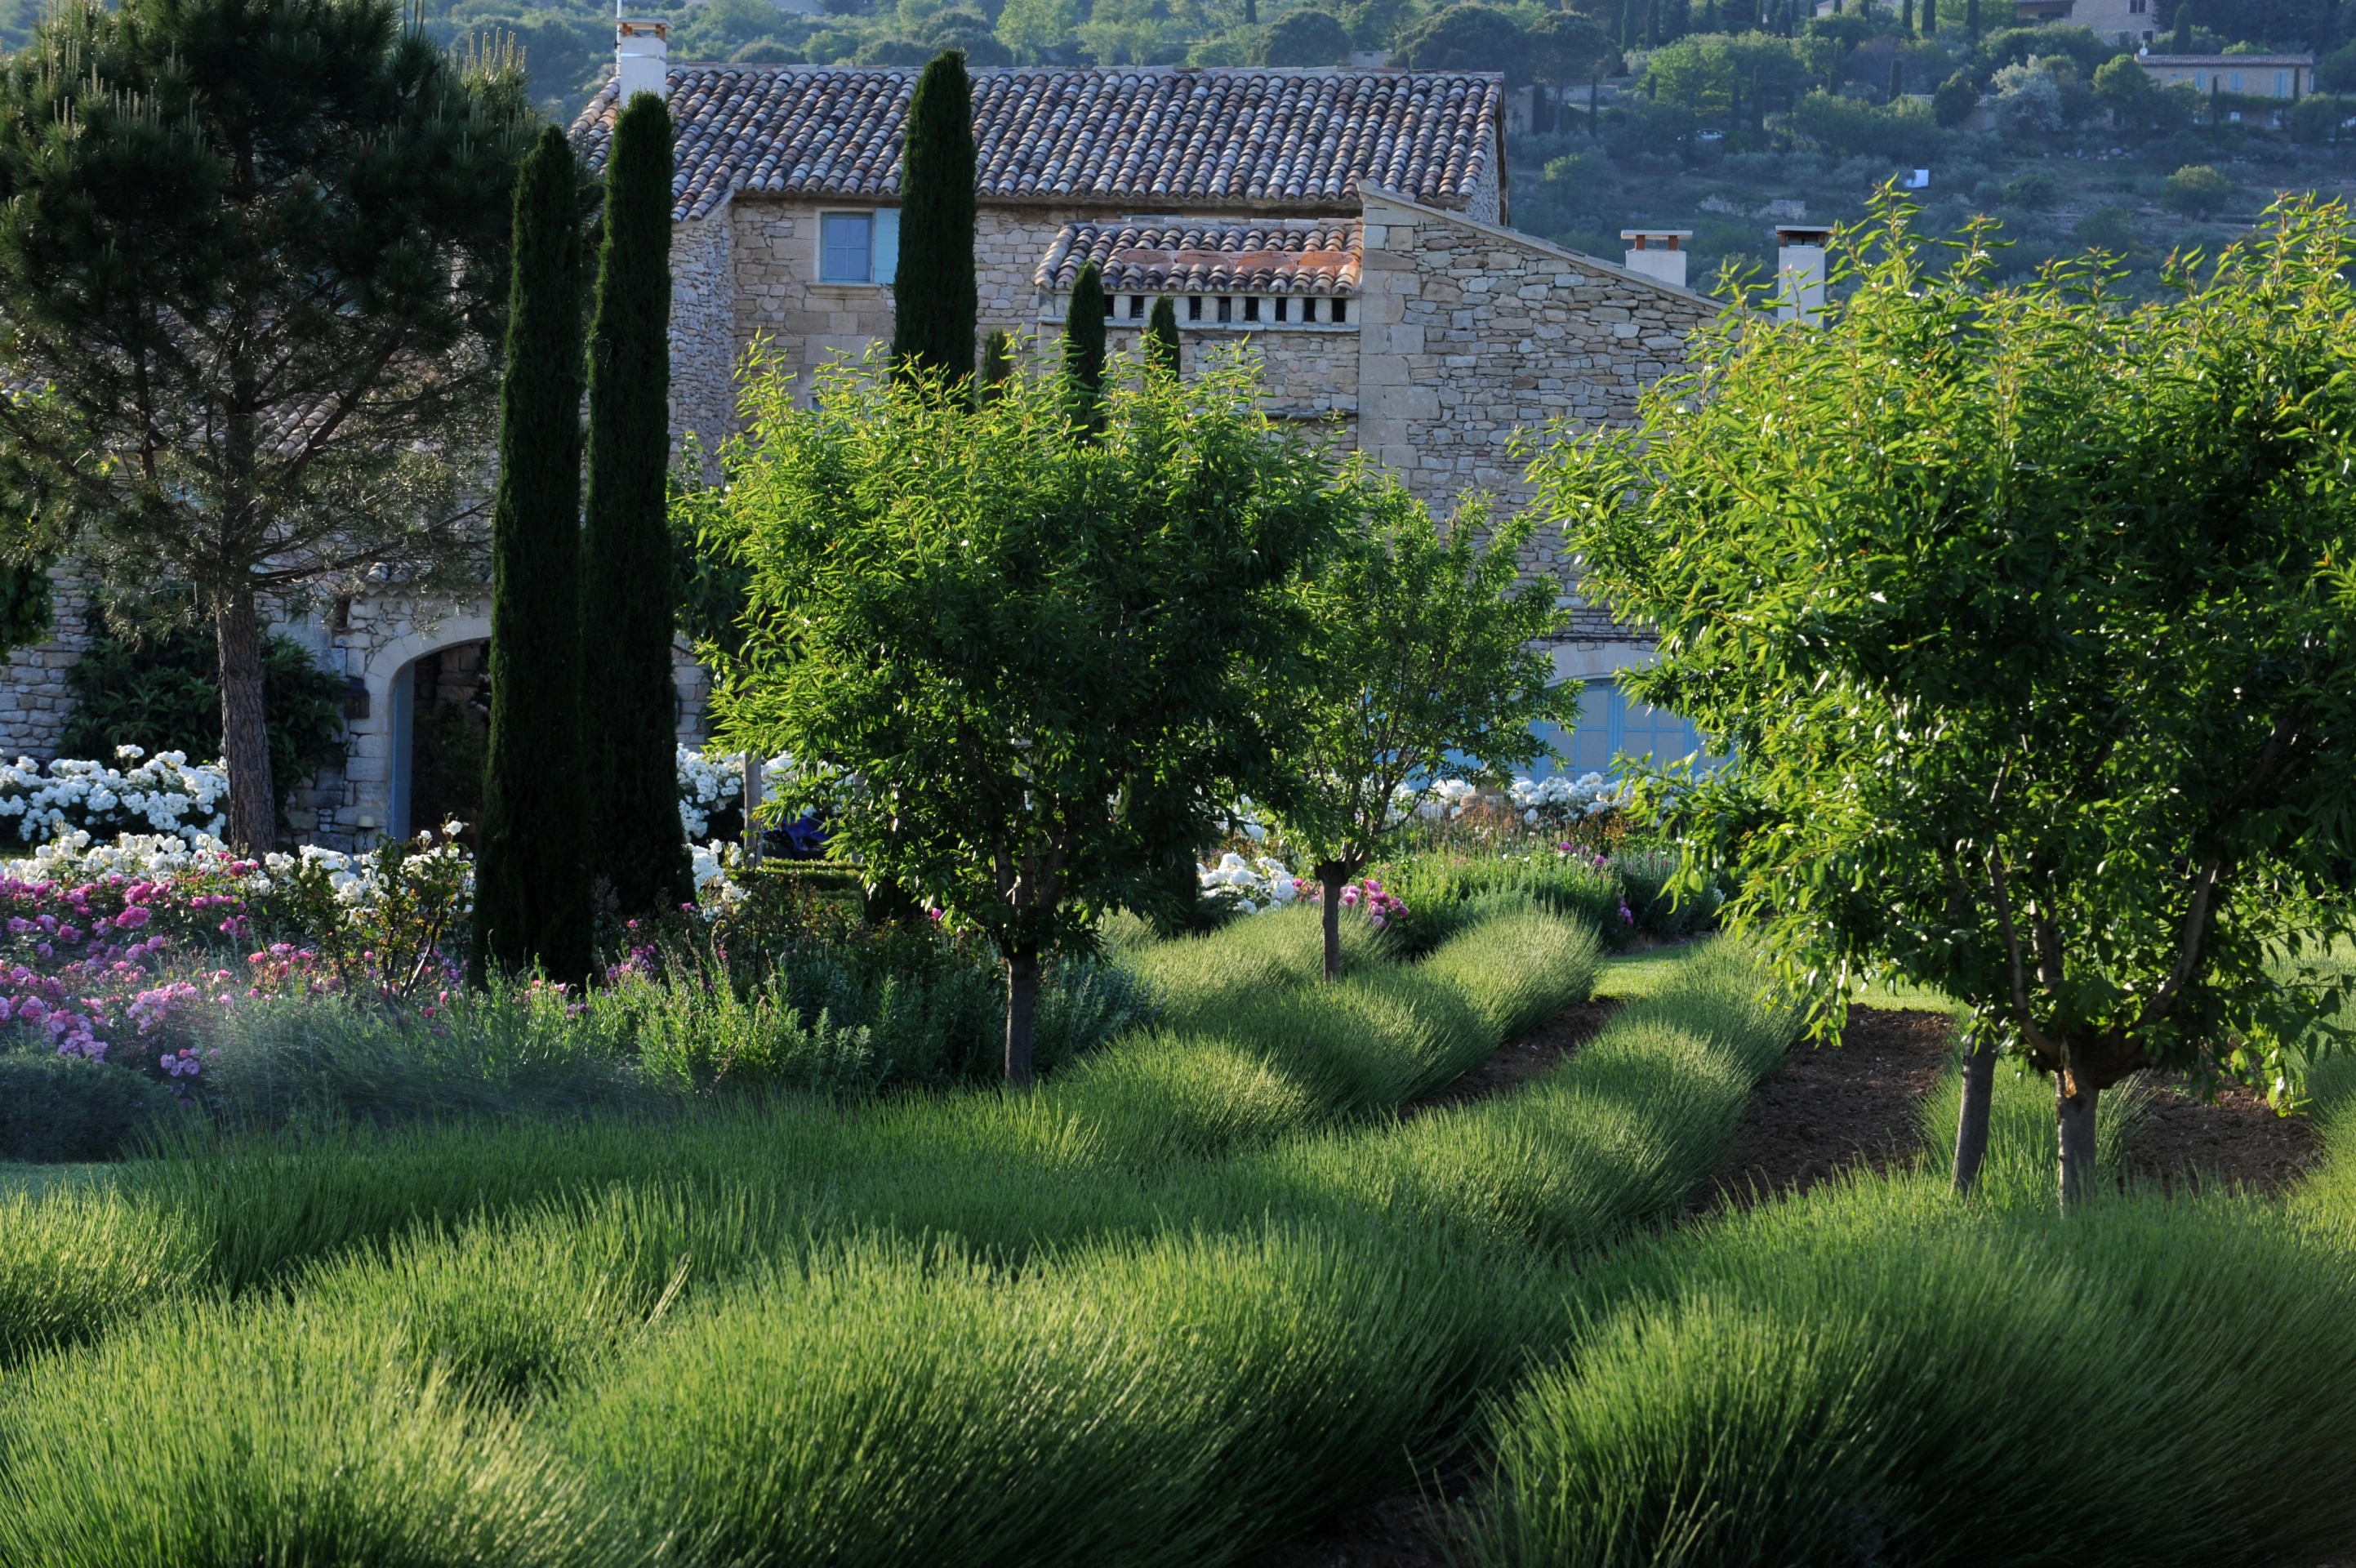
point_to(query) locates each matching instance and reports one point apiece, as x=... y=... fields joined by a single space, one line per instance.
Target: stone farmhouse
x=1353 y=227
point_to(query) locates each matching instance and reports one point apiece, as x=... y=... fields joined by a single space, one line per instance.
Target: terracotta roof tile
x=1169 y=137
x=1292 y=256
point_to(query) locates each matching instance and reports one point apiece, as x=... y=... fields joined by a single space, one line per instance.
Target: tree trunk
x=1333 y=876
x=245 y=733
x=1022 y=1010
x=753 y=833
x=1972 y=1120
x=2074 y=1096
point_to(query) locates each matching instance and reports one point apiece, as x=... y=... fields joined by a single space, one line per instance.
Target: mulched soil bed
x=1517 y=1062
x=2235 y=1139
x=1829 y=1108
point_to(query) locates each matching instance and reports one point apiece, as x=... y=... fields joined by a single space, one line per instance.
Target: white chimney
x=1799 y=272
x=1658 y=253
x=641 y=58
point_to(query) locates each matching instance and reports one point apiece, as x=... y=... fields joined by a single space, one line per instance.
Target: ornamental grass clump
x=81 y=1259
x=1170 y=1400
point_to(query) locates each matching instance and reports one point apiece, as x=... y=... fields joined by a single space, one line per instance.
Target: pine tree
x=531 y=884
x=630 y=754
x=1162 y=337
x=934 y=299
x=1084 y=347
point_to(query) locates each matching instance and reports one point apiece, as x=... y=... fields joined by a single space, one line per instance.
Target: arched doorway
x=441 y=725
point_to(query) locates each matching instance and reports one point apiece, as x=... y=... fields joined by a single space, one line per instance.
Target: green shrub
x=1171 y=1402
x=1807 y=1381
x=1519 y=968
x=2197 y=190
x=81 y=1259
x=163 y=693
x=1447 y=893
x=236 y=1436
x=58 y=1108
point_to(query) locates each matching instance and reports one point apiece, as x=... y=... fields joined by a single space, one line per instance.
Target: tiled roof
x=1291 y=257
x=1165 y=136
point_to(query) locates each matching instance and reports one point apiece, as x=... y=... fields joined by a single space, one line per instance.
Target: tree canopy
x=2027 y=618
x=252 y=253
x=1016 y=663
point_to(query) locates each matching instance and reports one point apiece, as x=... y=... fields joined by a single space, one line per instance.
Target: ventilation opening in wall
x=1279 y=309
x=1226 y=310
x=1251 y=310
x=1194 y=309
x=1136 y=307
x=1341 y=311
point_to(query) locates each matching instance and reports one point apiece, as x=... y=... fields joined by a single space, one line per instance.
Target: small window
x=859 y=247
x=2235 y=83
x=1194 y=308
x=1309 y=309
x=1341 y=311
x=1251 y=309
x=1226 y=310
x=2282 y=84
x=1109 y=303
x=1136 y=307
x=1279 y=308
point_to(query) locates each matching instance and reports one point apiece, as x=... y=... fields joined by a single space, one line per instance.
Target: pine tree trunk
x=245 y=730
x=631 y=753
x=935 y=303
x=531 y=874
x=2074 y=1097
x=1333 y=876
x=1022 y=1013
x=1971 y=1118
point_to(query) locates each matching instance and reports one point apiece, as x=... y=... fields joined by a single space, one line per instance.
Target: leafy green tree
x=253 y=251
x=2196 y=190
x=1161 y=348
x=1031 y=27
x=1084 y=346
x=1424 y=660
x=2137 y=103
x=1468 y=37
x=1306 y=36
x=627 y=608
x=934 y=303
x=1954 y=102
x=1018 y=667
x=532 y=876
x=2024 y=616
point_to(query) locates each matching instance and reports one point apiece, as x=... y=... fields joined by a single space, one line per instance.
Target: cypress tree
x=1972 y=17
x=1897 y=81
x=997 y=362
x=629 y=754
x=934 y=299
x=2182 y=42
x=1162 y=337
x=1930 y=18
x=1907 y=21
x=532 y=882
x=1084 y=347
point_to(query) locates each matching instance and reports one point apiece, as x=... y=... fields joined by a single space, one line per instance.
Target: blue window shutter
x=888 y=243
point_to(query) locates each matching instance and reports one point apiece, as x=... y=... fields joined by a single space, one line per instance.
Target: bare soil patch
x=1829 y=1108
x=1517 y=1062
x=2235 y=1140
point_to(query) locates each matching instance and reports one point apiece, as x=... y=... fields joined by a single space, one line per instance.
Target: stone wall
x=1472 y=333
x=34 y=701
x=704 y=326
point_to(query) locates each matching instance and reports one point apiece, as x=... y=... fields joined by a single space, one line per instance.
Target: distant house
x=2283 y=77
x=1351 y=225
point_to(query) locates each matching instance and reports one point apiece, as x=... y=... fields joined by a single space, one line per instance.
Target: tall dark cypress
x=635 y=841
x=1897 y=81
x=997 y=362
x=934 y=300
x=532 y=880
x=1930 y=18
x=1972 y=17
x=1162 y=337
x=1084 y=346
x=2181 y=43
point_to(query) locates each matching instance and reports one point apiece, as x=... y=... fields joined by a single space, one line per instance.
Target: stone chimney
x=641 y=58
x=1800 y=272
x=1658 y=253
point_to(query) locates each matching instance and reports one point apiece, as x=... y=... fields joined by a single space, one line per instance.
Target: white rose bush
x=162 y=794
